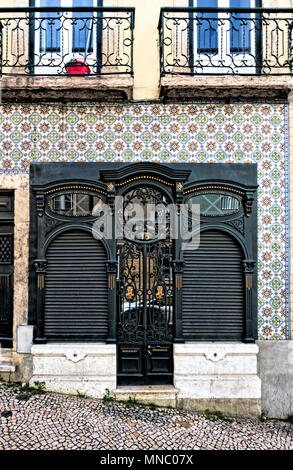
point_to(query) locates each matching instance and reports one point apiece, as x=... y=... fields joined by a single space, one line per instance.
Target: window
x=49 y=28
x=241 y=29
x=75 y=204
x=214 y=204
x=207 y=31
x=223 y=41
x=61 y=37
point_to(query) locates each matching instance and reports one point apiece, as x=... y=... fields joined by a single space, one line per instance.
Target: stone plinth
x=160 y=395
x=275 y=366
x=73 y=368
x=221 y=376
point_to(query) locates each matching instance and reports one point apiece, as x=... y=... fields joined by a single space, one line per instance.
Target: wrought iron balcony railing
x=57 y=41
x=208 y=41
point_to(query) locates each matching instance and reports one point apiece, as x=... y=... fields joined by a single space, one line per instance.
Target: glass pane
x=240 y=28
x=75 y=204
x=216 y=204
x=50 y=26
x=146 y=215
x=207 y=27
x=82 y=28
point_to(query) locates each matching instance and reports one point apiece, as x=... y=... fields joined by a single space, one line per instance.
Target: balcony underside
x=105 y=88
x=225 y=87
x=120 y=88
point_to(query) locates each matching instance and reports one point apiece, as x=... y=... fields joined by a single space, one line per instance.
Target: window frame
x=210 y=61
x=53 y=62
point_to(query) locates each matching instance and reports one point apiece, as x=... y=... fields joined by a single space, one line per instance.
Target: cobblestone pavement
x=55 y=421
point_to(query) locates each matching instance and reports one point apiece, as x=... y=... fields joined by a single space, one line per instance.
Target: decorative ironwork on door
x=145 y=294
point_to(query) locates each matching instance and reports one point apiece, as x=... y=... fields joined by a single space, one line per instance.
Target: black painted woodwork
x=6 y=268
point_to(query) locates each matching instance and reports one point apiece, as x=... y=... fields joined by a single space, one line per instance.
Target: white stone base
x=222 y=376
x=24 y=338
x=160 y=395
x=275 y=366
x=7 y=370
x=7 y=367
x=219 y=375
x=72 y=368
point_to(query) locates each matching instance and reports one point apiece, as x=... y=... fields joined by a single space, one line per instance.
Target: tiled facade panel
x=197 y=132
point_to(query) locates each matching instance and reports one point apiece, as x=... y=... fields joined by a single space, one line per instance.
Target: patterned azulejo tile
x=198 y=132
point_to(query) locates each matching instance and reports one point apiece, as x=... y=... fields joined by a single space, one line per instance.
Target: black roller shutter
x=76 y=288
x=213 y=289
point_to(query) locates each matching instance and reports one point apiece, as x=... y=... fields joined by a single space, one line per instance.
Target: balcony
x=212 y=48
x=52 y=49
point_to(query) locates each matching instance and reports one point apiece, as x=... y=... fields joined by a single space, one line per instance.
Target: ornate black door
x=145 y=300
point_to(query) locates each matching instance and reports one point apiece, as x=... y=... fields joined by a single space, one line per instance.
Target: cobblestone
x=54 y=421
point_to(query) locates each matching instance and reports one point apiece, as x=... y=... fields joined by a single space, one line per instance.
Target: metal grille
x=237 y=41
x=6 y=292
x=6 y=248
x=145 y=294
x=76 y=41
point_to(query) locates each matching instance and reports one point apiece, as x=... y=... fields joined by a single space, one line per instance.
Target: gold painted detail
x=41 y=281
x=129 y=350
x=66 y=188
x=201 y=188
x=160 y=293
x=111 y=186
x=249 y=282
x=160 y=350
x=179 y=186
x=129 y=293
x=179 y=281
x=111 y=282
x=146 y=178
x=146 y=236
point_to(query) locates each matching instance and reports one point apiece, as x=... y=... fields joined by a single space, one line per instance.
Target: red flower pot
x=77 y=67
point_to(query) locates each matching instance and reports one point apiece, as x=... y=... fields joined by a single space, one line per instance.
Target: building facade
x=169 y=104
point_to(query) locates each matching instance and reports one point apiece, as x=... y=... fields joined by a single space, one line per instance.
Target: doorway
x=145 y=294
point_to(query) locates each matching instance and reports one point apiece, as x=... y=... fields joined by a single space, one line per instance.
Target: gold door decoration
x=160 y=293
x=129 y=293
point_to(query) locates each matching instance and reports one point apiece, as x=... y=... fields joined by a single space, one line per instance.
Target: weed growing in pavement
x=108 y=398
x=152 y=406
x=81 y=395
x=37 y=389
x=216 y=415
x=263 y=418
x=132 y=402
x=290 y=418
